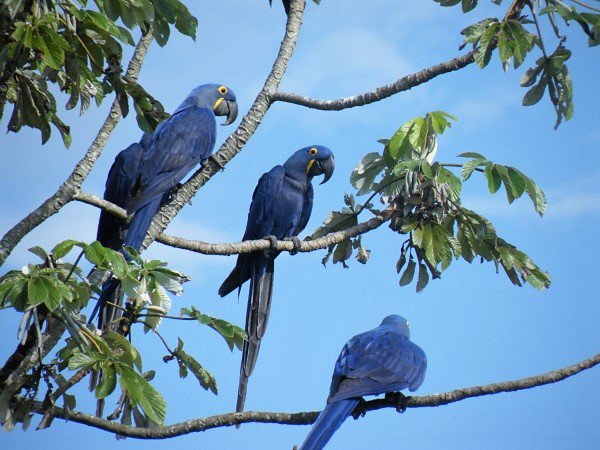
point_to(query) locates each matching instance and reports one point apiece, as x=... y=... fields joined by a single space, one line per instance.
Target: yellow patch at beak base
x=309 y=165
x=217 y=103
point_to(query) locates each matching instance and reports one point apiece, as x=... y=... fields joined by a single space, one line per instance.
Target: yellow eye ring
x=223 y=90
x=313 y=151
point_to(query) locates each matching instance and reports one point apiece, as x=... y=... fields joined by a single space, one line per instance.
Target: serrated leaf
x=467 y=168
x=143 y=393
x=108 y=382
x=493 y=178
x=206 y=380
x=423 y=277
x=409 y=273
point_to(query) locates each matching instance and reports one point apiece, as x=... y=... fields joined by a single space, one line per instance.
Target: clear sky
x=475 y=327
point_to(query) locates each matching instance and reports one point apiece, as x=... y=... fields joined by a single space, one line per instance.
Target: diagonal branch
x=306 y=418
x=69 y=188
x=402 y=84
x=238 y=139
x=207 y=248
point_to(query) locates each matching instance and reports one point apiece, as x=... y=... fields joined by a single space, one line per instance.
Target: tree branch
x=238 y=139
x=306 y=418
x=69 y=188
x=207 y=248
x=18 y=377
x=383 y=92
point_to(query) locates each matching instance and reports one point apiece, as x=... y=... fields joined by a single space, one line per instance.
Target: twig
x=306 y=418
x=382 y=92
x=585 y=5
x=207 y=248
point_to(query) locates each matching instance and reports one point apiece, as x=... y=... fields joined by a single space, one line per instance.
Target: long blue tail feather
x=327 y=423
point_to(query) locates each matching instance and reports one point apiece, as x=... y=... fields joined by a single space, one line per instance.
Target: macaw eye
x=313 y=151
x=223 y=90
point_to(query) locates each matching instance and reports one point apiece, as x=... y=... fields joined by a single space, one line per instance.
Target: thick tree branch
x=403 y=84
x=69 y=188
x=237 y=140
x=306 y=418
x=207 y=248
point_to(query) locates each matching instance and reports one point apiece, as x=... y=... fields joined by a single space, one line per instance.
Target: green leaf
x=336 y=221
x=81 y=360
x=535 y=94
x=423 y=277
x=53 y=296
x=36 y=291
x=143 y=393
x=160 y=299
x=234 y=336
x=61 y=249
x=206 y=380
x=409 y=273
x=472 y=155
x=467 y=168
x=366 y=171
x=108 y=382
x=493 y=177
x=486 y=45
x=122 y=350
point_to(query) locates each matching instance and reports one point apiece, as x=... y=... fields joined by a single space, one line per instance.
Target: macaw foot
x=296 y=244
x=216 y=161
x=272 y=250
x=400 y=399
x=360 y=410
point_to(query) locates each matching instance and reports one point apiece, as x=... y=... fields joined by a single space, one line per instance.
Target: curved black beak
x=325 y=167
x=227 y=108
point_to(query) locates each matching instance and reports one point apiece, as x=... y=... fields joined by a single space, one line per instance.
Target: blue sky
x=475 y=327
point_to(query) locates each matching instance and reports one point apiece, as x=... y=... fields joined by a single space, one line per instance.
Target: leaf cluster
x=78 y=49
x=425 y=197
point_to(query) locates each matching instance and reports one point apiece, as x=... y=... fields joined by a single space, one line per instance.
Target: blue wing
x=259 y=225
x=375 y=362
x=186 y=139
x=261 y=214
x=119 y=185
x=306 y=210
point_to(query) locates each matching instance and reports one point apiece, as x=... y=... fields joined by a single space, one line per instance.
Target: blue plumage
x=281 y=207
x=376 y=362
x=143 y=175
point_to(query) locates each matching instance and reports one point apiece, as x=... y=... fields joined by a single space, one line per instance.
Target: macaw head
x=216 y=97
x=397 y=322
x=313 y=161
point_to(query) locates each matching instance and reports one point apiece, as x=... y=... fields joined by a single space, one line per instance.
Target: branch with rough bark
x=307 y=418
x=207 y=248
x=69 y=188
x=403 y=84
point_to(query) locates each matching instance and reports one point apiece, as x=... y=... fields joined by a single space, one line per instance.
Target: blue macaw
x=280 y=209
x=144 y=174
x=379 y=361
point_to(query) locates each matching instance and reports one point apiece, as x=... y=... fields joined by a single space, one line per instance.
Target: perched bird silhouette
x=379 y=361
x=144 y=174
x=281 y=206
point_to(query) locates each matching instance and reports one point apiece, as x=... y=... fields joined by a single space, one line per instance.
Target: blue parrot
x=280 y=209
x=144 y=174
x=379 y=361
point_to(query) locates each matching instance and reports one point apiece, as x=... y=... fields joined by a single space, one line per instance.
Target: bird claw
x=272 y=250
x=216 y=161
x=400 y=399
x=296 y=244
x=360 y=410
